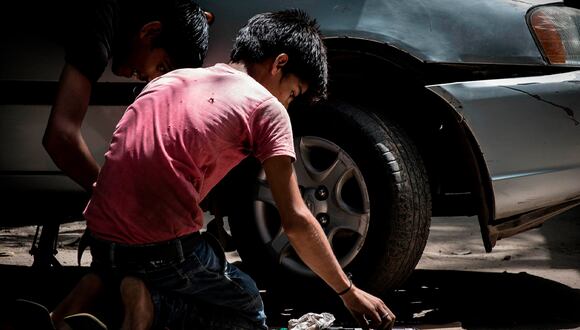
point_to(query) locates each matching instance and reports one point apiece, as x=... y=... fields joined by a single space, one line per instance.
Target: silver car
x=436 y=108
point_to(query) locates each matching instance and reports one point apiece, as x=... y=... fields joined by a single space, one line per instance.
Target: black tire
x=398 y=201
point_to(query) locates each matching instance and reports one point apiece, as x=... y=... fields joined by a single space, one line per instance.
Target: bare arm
x=309 y=241
x=62 y=138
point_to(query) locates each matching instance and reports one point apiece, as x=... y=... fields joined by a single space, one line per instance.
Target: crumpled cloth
x=311 y=321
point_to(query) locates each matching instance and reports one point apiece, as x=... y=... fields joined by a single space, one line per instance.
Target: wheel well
x=391 y=84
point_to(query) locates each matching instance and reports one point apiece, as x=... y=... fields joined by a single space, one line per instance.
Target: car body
x=478 y=102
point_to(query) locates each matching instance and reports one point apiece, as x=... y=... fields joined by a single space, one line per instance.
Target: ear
x=150 y=31
x=210 y=17
x=278 y=64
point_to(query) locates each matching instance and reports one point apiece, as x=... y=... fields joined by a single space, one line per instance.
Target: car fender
x=527 y=131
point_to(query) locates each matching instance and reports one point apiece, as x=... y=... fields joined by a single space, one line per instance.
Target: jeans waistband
x=120 y=255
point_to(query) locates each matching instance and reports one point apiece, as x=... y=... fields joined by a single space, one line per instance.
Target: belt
x=119 y=255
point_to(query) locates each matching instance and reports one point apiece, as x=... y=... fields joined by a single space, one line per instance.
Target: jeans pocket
x=218 y=251
x=170 y=278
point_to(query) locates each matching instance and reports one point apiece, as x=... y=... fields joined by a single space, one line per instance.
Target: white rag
x=311 y=321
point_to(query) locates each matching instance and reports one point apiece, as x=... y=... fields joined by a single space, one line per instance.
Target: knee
x=137 y=302
x=132 y=282
x=92 y=282
x=134 y=290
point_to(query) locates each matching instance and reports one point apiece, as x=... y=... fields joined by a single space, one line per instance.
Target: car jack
x=44 y=248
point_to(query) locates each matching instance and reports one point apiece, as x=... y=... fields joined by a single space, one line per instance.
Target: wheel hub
x=334 y=191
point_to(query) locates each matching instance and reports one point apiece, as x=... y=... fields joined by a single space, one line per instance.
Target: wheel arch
x=391 y=83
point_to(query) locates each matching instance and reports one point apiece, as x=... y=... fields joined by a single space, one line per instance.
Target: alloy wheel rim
x=335 y=192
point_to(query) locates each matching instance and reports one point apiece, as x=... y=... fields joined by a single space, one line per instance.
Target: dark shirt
x=91 y=37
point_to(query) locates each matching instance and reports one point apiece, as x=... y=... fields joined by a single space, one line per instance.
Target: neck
x=257 y=71
x=240 y=66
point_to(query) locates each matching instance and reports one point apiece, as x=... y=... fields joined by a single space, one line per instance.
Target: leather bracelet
x=349 y=276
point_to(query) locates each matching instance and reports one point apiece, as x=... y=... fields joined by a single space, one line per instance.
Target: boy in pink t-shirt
x=179 y=138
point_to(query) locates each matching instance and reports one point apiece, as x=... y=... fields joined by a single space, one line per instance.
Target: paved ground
x=531 y=281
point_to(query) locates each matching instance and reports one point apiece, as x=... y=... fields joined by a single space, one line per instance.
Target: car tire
x=380 y=181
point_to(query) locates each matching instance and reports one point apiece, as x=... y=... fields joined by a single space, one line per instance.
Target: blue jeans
x=202 y=290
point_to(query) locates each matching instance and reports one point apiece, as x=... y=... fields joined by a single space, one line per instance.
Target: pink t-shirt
x=181 y=136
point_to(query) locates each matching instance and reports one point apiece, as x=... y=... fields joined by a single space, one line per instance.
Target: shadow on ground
x=478 y=300
x=488 y=300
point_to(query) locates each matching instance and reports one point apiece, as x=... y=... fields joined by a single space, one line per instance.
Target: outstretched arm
x=309 y=241
x=62 y=138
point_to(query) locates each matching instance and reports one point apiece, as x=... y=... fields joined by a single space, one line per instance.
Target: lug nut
x=323 y=219
x=321 y=193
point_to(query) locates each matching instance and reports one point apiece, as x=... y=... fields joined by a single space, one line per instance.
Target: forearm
x=71 y=155
x=63 y=139
x=310 y=243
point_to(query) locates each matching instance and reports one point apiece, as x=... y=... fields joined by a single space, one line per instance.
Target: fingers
x=362 y=321
x=377 y=324
x=387 y=318
x=368 y=310
x=384 y=318
x=385 y=321
x=374 y=320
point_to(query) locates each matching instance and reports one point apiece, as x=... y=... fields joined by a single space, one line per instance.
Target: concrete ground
x=529 y=281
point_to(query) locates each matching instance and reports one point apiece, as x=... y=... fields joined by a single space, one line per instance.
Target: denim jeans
x=200 y=291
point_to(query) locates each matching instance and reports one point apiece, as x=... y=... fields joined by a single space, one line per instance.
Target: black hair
x=184 y=34
x=184 y=28
x=292 y=32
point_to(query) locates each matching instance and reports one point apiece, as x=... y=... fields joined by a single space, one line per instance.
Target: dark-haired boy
x=180 y=137
x=144 y=39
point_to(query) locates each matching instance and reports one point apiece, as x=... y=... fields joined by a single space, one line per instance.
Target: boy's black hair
x=184 y=29
x=292 y=32
x=184 y=33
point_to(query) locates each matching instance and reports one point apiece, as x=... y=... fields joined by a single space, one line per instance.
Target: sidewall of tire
x=395 y=177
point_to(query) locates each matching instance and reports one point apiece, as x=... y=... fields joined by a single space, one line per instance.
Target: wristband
x=349 y=276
